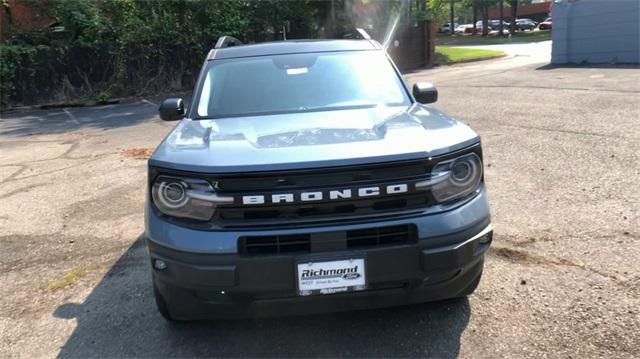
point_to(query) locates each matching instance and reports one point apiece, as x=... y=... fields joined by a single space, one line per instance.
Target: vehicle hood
x=311 y=139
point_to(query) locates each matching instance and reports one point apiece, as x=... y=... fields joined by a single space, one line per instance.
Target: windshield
x=299 y=83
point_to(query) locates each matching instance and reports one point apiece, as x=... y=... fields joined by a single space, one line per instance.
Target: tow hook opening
x=159 y=264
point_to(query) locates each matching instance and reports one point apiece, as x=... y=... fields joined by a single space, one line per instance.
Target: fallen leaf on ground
x=137 y=153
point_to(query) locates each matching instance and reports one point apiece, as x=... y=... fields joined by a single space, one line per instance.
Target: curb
x=476 y=60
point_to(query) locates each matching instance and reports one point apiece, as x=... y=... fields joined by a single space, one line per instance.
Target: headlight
x=186 y=197
x=454 y=178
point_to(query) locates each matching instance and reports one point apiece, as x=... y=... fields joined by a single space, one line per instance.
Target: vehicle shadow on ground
x=62 y=120
x=119 y=319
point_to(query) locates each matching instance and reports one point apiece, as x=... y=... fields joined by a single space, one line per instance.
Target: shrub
x=115 y=47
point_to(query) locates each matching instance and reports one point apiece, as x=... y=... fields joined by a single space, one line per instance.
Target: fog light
x=486 y=238
x=158 y=264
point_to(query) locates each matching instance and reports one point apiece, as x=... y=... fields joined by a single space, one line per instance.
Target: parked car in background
x=525 y=24
x=527 y=20
x=446 y=28
x=464 y=29
x=469 y=30
x=545 y=25
x=495 y=24
x=492 y=25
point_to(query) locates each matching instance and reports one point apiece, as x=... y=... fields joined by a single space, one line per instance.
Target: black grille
x=276 y=244
x=381 y=174
x=353 y=239
x=302 y=211
x=372 y=237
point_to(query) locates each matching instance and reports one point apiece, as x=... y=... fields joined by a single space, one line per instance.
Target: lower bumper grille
x=343 y=240
x=379 y=236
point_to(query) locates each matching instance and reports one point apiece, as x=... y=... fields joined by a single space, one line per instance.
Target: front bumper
x=217 y=282
x=190 y=304
x=206 y=277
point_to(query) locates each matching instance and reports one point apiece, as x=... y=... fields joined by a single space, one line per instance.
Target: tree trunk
x=475 y=18
x=514 y=13
x=485 y=20
x=451 y=29
x=333 y=27
x=501 y=16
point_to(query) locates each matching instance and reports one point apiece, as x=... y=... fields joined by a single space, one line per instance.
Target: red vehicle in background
x=545 y=25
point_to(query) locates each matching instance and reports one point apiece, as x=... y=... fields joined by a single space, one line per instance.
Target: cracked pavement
x=562 y=162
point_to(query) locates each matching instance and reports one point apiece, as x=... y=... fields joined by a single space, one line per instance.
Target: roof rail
x=356 y=33
x=227 y=41
x=363 y=33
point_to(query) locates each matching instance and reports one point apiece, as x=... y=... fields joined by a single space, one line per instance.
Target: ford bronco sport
x=305 y=177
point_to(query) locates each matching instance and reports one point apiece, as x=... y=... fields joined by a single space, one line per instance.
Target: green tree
x=300 y=19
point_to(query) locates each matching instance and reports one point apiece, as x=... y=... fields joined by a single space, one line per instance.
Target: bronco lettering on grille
x=339 y=194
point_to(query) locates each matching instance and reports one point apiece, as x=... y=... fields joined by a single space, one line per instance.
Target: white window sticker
x=297 y=71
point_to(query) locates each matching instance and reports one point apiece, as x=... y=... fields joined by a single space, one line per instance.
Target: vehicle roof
x=292 y=47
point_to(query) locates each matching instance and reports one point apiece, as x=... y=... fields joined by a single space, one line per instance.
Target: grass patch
x=520 y=37
x=452 y=55
x=67 y=280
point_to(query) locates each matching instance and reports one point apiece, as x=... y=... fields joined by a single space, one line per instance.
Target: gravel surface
x=562 y=155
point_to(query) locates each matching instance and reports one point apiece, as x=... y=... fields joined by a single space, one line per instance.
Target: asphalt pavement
x=561 y=147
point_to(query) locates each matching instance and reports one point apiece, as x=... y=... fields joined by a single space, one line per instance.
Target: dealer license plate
x=331 y=277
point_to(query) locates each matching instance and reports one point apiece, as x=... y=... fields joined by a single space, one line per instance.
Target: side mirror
x=172 y=109
x=424 y=92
